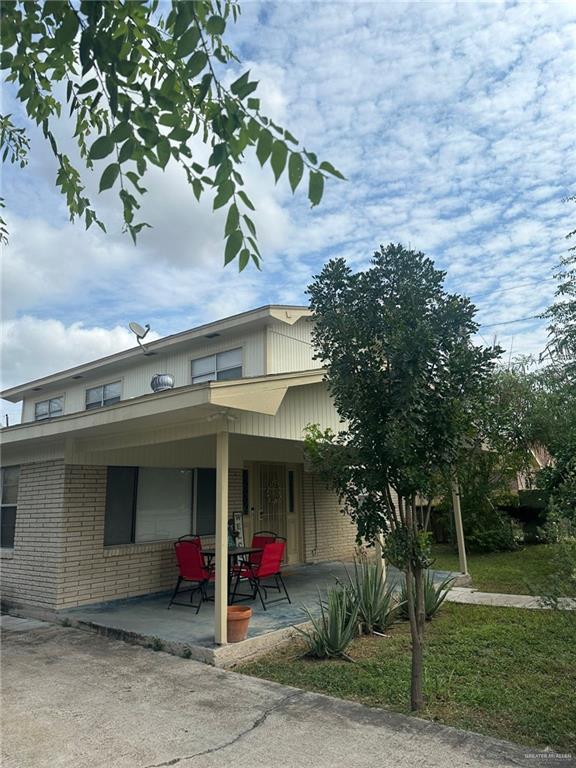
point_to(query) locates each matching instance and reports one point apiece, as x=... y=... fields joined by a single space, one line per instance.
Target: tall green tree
x=561 y=315
x=142 y=83
x=406 y=379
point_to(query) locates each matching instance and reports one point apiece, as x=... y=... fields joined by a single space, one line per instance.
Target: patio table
x=233 y=554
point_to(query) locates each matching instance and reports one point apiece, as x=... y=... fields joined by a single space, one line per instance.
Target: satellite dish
x=137 y=329
x=140 y=333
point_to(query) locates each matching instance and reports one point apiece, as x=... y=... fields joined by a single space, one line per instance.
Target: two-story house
x=103 y=474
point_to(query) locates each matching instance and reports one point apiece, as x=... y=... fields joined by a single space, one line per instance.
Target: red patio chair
x=191 y=568
x=269 y=567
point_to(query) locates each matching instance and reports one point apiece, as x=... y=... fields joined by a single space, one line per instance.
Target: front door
x=278 y=507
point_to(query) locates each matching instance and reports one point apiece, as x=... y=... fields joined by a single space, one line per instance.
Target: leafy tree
x=561 y=316
x=145 y=88
x=406 y=379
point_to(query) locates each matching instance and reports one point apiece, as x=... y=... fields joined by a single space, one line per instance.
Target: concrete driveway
x=75 y=699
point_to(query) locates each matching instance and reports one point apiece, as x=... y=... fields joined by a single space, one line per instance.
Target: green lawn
x=506 y=672
x=520 y=572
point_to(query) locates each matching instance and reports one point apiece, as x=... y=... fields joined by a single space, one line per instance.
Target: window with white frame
x=47 y=409
x=218 y=367
x=9 y=479
x=105 y=394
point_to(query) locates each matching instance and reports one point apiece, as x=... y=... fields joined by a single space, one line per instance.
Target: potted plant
x=238 y=621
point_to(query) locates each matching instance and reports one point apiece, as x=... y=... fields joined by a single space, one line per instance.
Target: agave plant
x=377 y=607
x=434 y=596
x=334 y=628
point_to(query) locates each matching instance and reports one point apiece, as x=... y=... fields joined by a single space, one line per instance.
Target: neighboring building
x=103 y=474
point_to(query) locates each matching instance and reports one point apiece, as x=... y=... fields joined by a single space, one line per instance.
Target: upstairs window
x=224 y=365
x=47 y=409
x=107 y=394
x=10 y=477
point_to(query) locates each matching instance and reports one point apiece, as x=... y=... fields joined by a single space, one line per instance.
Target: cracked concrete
x=72 y=699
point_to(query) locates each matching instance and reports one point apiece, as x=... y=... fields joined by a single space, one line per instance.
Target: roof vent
x=211 y=335
x=162 y=381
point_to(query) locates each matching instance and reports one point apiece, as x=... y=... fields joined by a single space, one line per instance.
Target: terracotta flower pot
x=238 y=620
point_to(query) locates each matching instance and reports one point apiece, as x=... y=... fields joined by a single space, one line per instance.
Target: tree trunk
x=416 y=612
x=415 y=597
x=417 y=693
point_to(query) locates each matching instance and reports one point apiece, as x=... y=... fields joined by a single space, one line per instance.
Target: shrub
x=377 y=608
x=434 y=596
x=336 y=626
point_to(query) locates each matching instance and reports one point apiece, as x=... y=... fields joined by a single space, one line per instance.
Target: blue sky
x=454 y=124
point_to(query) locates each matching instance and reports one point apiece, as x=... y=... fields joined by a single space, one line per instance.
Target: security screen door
x=273 y=498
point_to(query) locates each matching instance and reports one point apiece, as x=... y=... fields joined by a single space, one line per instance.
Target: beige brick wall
x=94 y=573
x=59 y=559
x=30 y=570
x=328 y=534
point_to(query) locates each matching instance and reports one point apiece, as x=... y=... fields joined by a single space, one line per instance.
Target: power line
x=509 y=322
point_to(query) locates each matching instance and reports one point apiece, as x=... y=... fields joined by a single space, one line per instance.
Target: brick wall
x=328 y=534
x=30 y=571
x=93 y=573
x=59 y=559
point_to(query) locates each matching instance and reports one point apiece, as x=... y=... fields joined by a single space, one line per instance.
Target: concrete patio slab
x=148 y=621
x=75 y=700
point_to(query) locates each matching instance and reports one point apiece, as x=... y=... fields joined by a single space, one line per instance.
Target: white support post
x=458 y=525
x=221 y=576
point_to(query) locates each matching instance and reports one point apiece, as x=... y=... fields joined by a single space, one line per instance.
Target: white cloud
x=453 y=123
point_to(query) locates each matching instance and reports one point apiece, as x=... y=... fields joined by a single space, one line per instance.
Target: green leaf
x=245 y=199
x=232 y=220
x=101 y=148
x=315 y=187
x=215 y=25
x=91 y=85
x=180 y=134
x=187 y=42
x=278 y=161
x=289 y=137
x=243 y=259
x=5 y=59
x=250 y=224
x=295 y=170
x=232 y=246
x=264 y=146
x=225 y=192
x=68 y=26
x=196 y=64
x=238 y=85
x=329 y=168
x=169 y=119
x=183 y=19
x=163 y=151
x=253 y=104
x=86 y=50
x=121 y=132
x=126 y=151
x=312 y=157
x=109 y=176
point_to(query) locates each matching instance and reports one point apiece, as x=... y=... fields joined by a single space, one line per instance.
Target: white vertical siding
x=136 y=377
x=310 y=404
x=290 y=347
